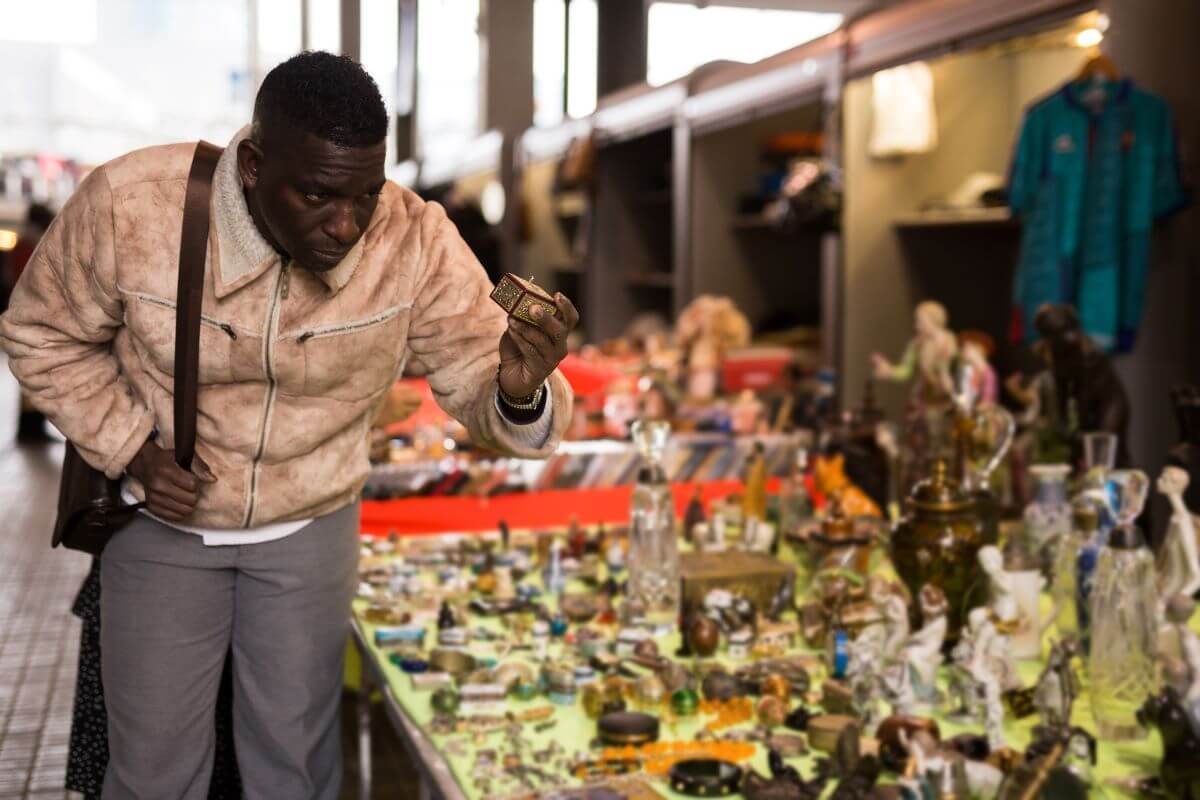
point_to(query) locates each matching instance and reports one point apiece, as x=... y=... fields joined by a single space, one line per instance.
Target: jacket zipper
x=204 y=318
x=334 y=330
x=280 y=294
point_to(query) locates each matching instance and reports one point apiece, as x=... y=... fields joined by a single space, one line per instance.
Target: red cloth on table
x=546 y=509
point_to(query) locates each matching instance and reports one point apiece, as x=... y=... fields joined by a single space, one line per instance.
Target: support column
x=507 y=97
x=621 y=45
x=352 y=29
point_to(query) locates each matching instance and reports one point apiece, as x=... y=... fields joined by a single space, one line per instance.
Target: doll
x=927 y=359
x=1178 y=565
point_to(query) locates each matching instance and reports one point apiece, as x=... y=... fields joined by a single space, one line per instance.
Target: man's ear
x=249 y=160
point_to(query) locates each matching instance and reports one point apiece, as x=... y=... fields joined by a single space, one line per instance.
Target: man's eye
x=314 y=197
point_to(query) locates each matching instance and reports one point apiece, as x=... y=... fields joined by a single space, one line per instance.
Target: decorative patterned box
x=518 y=297
x=755 y=576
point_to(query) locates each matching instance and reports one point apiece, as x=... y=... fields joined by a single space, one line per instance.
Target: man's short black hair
x=329 y=96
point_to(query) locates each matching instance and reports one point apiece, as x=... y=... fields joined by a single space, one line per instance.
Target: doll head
x=930 y=318
x=1173 y=481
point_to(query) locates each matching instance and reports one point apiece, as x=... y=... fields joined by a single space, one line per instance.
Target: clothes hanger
x=1099 y=66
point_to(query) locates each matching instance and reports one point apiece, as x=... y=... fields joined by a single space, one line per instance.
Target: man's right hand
x=171 y=491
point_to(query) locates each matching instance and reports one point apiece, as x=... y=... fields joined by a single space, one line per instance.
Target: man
x=324 y=283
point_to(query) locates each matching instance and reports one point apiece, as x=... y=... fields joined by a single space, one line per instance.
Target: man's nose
x=342 y=225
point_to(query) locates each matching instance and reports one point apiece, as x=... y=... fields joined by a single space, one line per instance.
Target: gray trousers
x=171 y=607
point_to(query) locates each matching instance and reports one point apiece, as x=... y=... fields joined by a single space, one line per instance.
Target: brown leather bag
x=90 y=510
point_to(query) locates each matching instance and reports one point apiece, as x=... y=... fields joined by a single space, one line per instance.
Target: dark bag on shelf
x=90 y=510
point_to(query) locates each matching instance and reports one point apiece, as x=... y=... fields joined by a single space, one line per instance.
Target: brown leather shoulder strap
x=193 y=248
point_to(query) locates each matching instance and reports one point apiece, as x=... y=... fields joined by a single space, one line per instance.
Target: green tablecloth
x=574 y=730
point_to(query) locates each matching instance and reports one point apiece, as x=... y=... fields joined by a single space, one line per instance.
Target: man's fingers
x=169 y=509
x=522 y=334
x=554 y=328
x=176 y=493
x=570 y=314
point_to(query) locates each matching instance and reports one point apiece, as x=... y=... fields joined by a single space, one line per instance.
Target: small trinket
x=485 y=583
x=705 y=778
x=445 y=701
x=431 y=681
x=525 y=690
x=518 y=297
x=453 y=637
x=626 y=728
x=404 y=633
x=650 y=691
x=628 y=639
x=719 y=685
x=584 y=674
x=740 y=642
x=541 y=638
x=558 y=626
x=776 y=685
x=593 y=700
x=445 y=619
x=685 y=702
x=703 y=636
x=646 y=650
x=771 y=711
x=825 y=730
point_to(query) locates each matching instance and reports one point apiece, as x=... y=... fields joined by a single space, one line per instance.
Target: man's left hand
x=529 y=353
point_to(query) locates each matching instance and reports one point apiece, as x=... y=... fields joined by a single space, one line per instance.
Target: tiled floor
x=39 y=638
x=39 y=642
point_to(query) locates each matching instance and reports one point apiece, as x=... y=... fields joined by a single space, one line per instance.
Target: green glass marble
x=525 y=690
x=685 y=702
x=445 y=701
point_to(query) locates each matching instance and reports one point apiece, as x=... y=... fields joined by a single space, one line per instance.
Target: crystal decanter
x=653 y=550
x=1121 y=665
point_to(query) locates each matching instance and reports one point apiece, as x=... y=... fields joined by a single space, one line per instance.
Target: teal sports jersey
x=1089 y=178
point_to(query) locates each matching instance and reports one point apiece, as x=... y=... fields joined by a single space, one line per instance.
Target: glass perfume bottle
x=653 y=560
x=795 y=505
x=1073 y=549
x=1048 y=518
x=1121 y=665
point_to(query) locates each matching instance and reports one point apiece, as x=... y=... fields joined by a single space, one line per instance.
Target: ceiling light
x=8 y=239
x=1088 y=37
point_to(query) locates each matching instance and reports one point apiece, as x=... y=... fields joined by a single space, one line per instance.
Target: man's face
x=314 y=198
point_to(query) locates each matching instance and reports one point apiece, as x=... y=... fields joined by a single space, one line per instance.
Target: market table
x=445 y=762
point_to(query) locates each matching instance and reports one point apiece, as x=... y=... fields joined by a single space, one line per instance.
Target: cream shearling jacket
x=293 y=363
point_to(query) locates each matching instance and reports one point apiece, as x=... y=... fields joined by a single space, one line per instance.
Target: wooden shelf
x=650 y=280
x=755 y=223
x=975 y=218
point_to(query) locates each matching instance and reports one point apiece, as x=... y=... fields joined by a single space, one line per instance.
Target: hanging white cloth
x=903 y=118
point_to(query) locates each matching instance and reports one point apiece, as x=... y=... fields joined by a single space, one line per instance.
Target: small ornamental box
x=755 y=576
x=518 y=296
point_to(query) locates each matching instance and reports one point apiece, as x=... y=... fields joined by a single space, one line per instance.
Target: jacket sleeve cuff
x=115 y=467
x=533 y=433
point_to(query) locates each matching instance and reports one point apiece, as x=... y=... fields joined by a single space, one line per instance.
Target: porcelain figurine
x=977 y=373
x=1178 y=563
x=927 y=360
x=991 y=656
x=963 y=686
x=829 y=473
x=993 y=715
x=1186 y=454
x=1186 y=646
x=923 y=650
x=1057 y=687
x=894 y=611
x=1002 y=599
x=708 y=328
x=1087 y=393
x=1180 y=769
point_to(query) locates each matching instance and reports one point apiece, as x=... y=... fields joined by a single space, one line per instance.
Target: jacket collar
x=242 y=253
